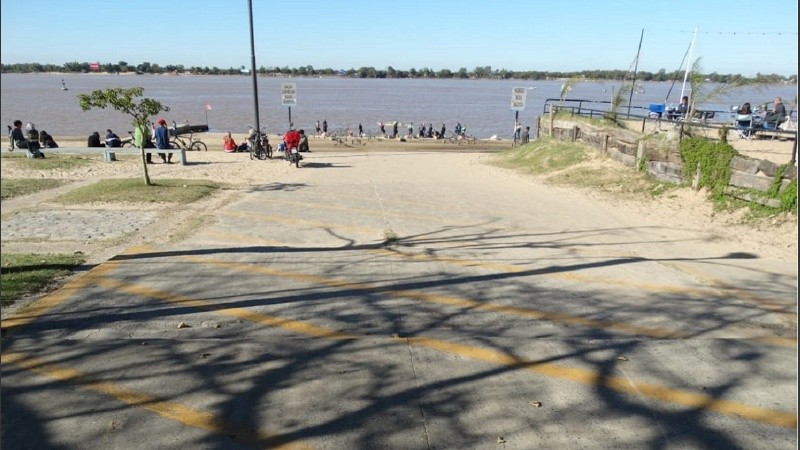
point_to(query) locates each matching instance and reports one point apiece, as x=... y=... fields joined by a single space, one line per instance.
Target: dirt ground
x=777 y=236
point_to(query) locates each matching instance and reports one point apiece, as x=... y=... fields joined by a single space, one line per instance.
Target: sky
x=733 y=36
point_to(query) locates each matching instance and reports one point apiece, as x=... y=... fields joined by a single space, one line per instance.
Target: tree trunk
x=144 y=166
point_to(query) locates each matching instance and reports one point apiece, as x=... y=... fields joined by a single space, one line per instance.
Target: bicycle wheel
x=269 y=151
x=199 y=146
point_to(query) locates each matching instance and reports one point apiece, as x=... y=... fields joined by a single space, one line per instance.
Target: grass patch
x=575 y=164
x=10 y=188
x=24 y=274
x=135 y=191
x=50 y=162
x=542 y=156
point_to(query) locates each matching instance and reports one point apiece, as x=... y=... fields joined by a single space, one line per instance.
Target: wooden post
x=552 y=118
x=605 y=144
x=538 y=126
x=639 y=154
x=574 y=133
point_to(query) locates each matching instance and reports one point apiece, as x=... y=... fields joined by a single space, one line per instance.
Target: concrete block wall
x=662 y=159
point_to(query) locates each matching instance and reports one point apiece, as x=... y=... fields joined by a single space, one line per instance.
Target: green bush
x=712 y=160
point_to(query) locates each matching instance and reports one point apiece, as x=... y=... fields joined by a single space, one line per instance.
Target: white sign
x=518 y=98
x=288 y=94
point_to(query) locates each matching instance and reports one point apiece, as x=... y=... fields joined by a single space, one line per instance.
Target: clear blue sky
x=735 y=36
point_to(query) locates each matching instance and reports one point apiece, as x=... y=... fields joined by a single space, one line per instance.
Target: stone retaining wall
x=661 y=158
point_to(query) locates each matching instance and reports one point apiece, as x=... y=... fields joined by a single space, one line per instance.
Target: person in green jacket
x=141 y=139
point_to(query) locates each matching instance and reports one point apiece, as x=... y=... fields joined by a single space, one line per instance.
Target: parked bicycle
x=188 y=143
x=259 y=147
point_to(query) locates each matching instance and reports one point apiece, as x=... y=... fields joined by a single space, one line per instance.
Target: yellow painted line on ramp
x=237 y=313
x=170 y=410
x=577 y=375
x=41 y=306
x=660 y=333
x=441 y=299
x=620 y=384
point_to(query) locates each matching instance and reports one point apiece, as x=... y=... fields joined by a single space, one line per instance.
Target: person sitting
x=744 y=120
x=94 y=140
x=303 y=146
x=228 y=144
x=46 y=140
x=33 y=141
x=680 y=111
x=162 y=141
x=112 y=140
x=17 y=136
x=776 y=116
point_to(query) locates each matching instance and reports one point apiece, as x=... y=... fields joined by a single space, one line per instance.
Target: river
x=225 y=102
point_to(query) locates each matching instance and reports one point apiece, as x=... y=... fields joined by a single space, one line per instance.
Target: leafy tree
x=128 y=102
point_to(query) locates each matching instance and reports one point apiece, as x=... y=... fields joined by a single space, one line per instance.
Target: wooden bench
x=110 y=154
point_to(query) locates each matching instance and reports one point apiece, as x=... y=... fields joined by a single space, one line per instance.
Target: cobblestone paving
x=74 y=224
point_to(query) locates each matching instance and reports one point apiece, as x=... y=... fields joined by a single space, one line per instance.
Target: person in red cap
x=162 y=140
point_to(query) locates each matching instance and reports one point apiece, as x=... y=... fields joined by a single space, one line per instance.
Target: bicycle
x=189 y=143
x=259 y=148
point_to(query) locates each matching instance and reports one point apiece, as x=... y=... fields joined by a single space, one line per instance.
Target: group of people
x=31 y=139
x=748 y=122
x=147 y=136
x=291 y=139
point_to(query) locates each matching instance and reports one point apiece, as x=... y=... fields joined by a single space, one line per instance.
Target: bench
x=110 y=154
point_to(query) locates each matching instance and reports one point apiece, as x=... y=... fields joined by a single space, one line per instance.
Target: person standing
x=325 y=127
x=394 y=130
x=360 y=130
x=318 y=128
x=383 y=129
x=526 y=135
x=141 y=137
x=441 y=133
x=162 y=141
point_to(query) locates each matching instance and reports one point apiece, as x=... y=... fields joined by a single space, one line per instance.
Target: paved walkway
x=399 y=301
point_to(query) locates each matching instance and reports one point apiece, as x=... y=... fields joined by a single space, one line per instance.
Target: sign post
x=518 y=96
x=289 y=97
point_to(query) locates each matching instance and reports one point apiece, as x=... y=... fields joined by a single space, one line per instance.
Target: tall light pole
x=253 y=65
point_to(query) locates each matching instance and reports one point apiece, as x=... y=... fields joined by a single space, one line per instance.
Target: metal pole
x=688 y=68
x=635 y=69
x=253 y=65
x=290 y=117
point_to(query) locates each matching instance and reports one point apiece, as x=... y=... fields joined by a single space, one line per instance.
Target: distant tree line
x=480 y=72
